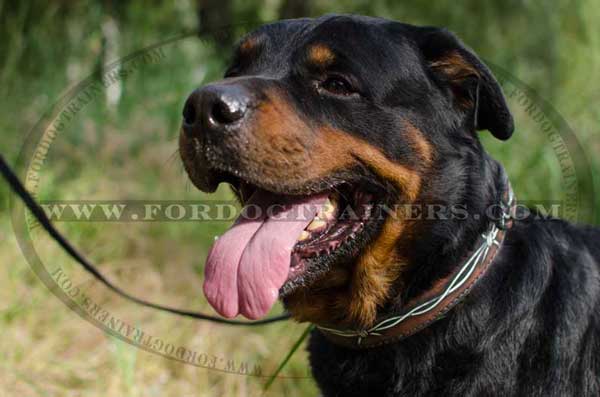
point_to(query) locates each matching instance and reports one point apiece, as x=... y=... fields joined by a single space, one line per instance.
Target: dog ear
x=474 y=87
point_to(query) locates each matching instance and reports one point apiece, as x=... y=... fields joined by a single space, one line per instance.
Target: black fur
x=531 y=326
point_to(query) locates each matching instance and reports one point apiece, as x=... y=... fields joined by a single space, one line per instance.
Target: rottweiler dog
x=339 y=135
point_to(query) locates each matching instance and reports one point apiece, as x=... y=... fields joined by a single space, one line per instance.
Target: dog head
x=353 y=115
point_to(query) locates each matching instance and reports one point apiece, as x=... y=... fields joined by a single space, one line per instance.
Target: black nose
x=215 y=108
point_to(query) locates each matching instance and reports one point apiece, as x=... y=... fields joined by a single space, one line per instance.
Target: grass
x=126 y=149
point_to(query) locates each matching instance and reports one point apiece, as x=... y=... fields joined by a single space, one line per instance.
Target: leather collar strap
x=445 y=294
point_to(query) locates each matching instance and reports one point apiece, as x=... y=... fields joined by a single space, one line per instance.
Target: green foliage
x=50 y=46
x=127 y=148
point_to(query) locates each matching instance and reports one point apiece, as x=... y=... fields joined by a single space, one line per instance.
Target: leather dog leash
x=39 y=214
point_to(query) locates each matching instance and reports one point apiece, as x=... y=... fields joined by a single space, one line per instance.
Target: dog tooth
x=316 y=224
x=330 y=207
x=327 y=211
x=304 y=235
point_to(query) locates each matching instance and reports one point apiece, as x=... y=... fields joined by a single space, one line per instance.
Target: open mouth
x=333 y=233
x=282 y=242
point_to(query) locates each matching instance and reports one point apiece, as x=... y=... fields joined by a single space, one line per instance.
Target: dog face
x=367 y=112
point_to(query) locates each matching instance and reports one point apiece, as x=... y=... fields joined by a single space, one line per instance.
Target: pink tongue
x=249 y=263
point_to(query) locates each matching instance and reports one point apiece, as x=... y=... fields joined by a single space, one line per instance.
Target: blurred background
x=123 y=145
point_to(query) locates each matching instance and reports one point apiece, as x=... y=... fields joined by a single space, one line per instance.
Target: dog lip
x=209 y=169
x=211 y=174
x=220 y=172
x=215 y=171
x=338 y=244
x=204 y=178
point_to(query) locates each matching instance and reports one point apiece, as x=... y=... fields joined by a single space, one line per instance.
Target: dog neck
x=434 y=301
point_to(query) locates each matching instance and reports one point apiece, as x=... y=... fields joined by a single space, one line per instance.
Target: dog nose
x=214 y=108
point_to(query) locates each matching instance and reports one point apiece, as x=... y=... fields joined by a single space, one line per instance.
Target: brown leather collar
x=445 y=294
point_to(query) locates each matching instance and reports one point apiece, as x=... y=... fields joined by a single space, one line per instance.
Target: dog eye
x=337 y=85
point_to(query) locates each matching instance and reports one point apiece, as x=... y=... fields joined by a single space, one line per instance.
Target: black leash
x=39 y=214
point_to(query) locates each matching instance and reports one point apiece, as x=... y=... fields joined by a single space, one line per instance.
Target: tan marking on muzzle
x=280 y=146
x=364 y=288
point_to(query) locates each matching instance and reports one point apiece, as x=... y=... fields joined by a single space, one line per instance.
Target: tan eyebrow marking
x=320 y=54
x=249 y=44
